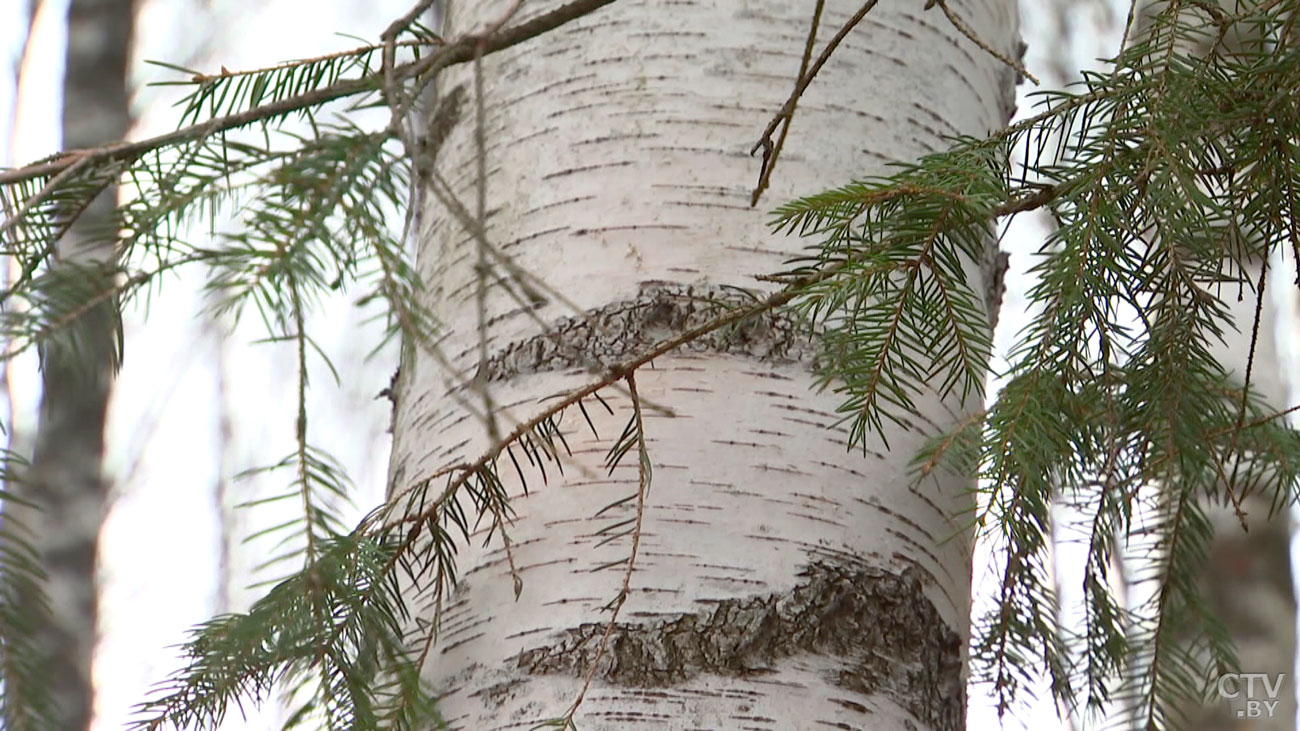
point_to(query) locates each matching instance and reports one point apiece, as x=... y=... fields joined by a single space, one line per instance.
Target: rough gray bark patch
x=624 y=329
x=889 y=638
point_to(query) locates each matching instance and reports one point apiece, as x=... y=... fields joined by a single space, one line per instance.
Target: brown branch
x=643 y=489
x=72 y=164
x=1046 y=194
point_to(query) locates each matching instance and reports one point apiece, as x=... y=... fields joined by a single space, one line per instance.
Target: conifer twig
x=453 y=53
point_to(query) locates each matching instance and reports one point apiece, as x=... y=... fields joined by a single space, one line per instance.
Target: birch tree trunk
x=781 y=581
x=1247 y=578
x=65 y=484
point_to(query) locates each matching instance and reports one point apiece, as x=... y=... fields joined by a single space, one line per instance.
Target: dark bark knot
x=661 y=310
x=887 y=636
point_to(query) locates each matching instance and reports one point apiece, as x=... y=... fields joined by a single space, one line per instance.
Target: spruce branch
x=452 y=53
x=636 y=436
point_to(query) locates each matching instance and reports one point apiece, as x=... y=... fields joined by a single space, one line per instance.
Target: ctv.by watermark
x=1251 y=695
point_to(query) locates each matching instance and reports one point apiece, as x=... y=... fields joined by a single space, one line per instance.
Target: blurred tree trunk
x=1247 y=580
x=66 y=482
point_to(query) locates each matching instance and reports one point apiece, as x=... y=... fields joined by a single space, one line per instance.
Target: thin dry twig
x=787 y=110
x=1231 y=494
x=394 y=93
x=970 y=34
x=480 y=381
x=643 y=490
x=495 y=25
x=772 y=152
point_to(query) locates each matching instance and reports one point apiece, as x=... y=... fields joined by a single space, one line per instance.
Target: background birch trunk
x=1246 y=581
x=65 y=483
x=1247 y=577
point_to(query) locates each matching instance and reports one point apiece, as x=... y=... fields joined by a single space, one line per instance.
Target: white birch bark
x=782 y=582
